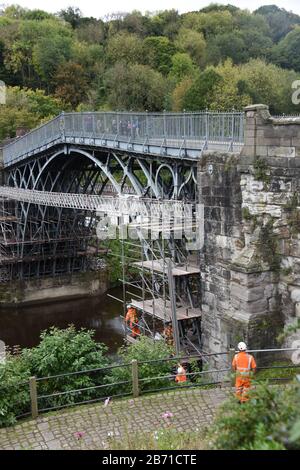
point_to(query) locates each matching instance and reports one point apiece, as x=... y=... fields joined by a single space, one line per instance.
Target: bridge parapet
x=169 y=134
x=270 y=136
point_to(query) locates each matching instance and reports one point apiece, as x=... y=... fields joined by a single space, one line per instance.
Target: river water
x=22 y=325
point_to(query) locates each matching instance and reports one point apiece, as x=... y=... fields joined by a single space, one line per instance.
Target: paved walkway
x=97 y=424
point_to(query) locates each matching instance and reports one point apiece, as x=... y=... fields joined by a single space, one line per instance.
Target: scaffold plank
x=161 y=310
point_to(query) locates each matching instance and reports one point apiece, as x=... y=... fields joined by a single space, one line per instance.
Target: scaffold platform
x=162 y=310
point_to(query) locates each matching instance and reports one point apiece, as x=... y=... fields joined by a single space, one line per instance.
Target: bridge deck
x=176 y=135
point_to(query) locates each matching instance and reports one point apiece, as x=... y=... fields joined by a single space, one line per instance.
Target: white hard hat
x=129 y=305
x=242 y=346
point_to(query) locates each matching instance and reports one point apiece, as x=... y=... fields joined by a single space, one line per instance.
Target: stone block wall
x=250 y=262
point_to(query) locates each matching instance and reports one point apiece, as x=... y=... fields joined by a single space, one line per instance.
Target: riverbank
x=53 y=288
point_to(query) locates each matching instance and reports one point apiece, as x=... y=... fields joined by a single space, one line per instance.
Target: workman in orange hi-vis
x=133 y=319
x=244 y=365
x=181 y=374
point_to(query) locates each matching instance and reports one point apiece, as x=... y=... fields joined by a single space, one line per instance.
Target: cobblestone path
x=193 y=408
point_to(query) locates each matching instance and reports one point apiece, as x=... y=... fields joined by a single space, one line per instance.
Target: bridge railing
x=196 y=130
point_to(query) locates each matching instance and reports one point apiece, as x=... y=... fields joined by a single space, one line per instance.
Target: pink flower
x=167 y=415
x=79 y=435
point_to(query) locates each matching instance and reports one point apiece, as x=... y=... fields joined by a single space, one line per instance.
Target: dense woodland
x=220 y=57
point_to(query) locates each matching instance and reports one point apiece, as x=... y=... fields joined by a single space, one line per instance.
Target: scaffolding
x=161 y=276
x=52 y=243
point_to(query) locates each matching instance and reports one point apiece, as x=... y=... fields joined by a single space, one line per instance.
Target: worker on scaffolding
x=181 y=374
x=132 y=319
x=168 y=334
x=244 y=366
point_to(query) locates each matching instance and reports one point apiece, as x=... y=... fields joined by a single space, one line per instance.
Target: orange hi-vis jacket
x=181 y=375
x=131 y=317
x=243 y=363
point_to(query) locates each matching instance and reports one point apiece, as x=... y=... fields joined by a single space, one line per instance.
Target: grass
x=162 y=439
x=267 y=374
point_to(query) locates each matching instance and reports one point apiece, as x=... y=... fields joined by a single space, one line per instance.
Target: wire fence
x=42 y=394
x=198 y=130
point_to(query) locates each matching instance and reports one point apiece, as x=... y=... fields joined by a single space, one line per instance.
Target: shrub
x=14 y=390
x=61 y=352
x=265 y=422
x=140 y=350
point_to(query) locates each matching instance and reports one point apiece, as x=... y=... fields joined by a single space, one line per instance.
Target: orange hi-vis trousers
x=242 y=387
x=243 y=363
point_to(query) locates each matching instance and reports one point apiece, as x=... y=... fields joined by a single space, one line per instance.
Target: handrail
x=183 y=131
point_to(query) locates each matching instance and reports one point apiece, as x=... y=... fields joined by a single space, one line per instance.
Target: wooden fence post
x=33 y=397
x=135 y=378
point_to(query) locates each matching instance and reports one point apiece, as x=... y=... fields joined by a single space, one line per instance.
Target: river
x=22 y=325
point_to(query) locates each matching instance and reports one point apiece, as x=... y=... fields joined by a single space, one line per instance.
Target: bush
x=61 y=352
x=14 y=390
x=140 y=350
x=265 y=422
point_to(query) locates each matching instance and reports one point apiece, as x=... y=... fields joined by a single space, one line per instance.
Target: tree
x=165 y=23
x=193 y=43
x=158 y=52
x=26 y=108
x=280 y=21
x=135 y=87
x=267 y=83
x=179 y=93
x=286 y=53
x=91 y=31
x=48 y=56
x=71 y=85
x=182 y=66
x=210 y=23
x=199 y=95
x=226 y=94
x=71 y=15
x=124 y=47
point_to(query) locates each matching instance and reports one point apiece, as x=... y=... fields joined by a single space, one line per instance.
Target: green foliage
x=261 y=171
x=144 y=349
x=135 y=87
x=138 y=61
x=158 y=52
x=280 y=21
x=268 y=246
x=182 y=66
x=162 y=439
x=14 y=394
x=265 y=422
x=61 y=352
x=26 y=108
x=199 y=95
x=293 y=214
x=286 y=53
x=49 y=54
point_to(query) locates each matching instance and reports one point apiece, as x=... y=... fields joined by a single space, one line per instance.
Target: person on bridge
x=181 y=374
x=244 y=365
x=132 y=319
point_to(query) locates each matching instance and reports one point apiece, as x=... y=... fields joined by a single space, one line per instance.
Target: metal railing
x=159 y=376
x=181 y=131
x=130 y=204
